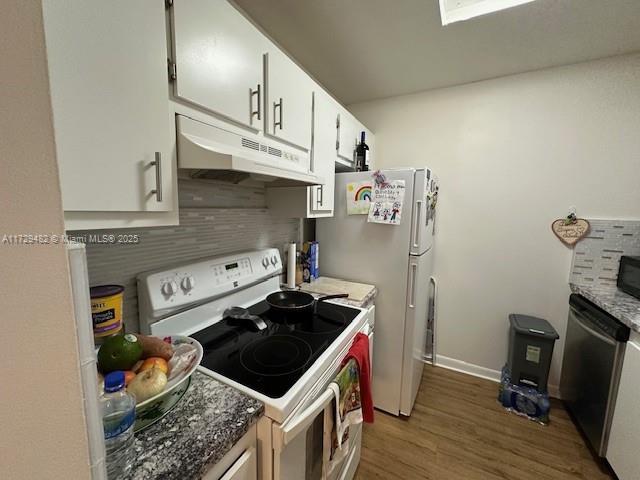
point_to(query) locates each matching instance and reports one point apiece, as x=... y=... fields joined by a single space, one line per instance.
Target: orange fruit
x=156 y=362
x=128 y=376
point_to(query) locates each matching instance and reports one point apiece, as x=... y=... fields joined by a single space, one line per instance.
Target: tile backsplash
x=597 y=257
x=215 y=219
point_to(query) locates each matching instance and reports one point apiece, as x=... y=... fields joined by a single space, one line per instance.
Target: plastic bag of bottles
x=524 y=401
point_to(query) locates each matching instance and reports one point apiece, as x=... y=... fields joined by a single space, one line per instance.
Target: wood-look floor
x=458 y=431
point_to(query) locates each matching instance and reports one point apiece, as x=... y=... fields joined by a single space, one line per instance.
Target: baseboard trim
x=481 y=372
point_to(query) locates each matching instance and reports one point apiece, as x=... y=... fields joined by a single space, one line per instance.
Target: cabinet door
x=321 y=199
x=624 y=439
x=289 y=97
x=245 y=468
x=348 y=136
x=325 y=113
x=108 y=80
x=219 y=60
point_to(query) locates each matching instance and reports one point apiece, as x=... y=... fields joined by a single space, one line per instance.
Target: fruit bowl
x=155 y=407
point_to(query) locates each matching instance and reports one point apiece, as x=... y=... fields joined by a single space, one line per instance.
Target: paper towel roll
x=291 y=265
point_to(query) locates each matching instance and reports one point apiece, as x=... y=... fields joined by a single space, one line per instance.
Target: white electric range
x=288 y=365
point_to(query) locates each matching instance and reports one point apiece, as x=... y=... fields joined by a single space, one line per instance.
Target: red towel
x=359 y=351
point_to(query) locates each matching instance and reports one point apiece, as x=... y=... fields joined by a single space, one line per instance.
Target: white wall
x=42 y=425
x=513 y=154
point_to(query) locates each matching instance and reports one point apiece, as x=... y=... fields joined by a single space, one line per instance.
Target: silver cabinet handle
x=412 y=289
x=158 y=164
x=320 y=195
x=277 y=106
x=431 y=317
x=416 y=235
x=256 y=93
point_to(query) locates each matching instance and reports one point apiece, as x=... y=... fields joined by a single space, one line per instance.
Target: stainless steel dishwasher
x=593 y=354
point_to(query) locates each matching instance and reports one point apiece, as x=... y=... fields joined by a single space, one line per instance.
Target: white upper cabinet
x=108 y=78
x=348 y=136
x=119 y=73
x=315 y=201
x=218 y=57
x=318 y=200
x=289 y=97
x=325 y=113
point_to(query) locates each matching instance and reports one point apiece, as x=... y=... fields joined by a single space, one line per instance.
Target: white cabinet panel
x=325 y=113
x=622 y=451
x=219 y=60
x=348 y=136
x=316 y=201
x=321 y=200
x=289 y=97
x=108 y=79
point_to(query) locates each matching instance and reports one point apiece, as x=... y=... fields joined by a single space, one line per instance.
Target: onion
x=147 y=384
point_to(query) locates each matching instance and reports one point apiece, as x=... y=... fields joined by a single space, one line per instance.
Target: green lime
x=119 y=352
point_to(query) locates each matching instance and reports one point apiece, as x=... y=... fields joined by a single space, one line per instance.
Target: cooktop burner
x=270 y=361
x=275 y=355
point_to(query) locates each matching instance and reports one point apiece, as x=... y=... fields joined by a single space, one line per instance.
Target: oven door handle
x=287 y=432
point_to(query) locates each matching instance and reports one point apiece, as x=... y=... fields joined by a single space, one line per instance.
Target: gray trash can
x=531 y=342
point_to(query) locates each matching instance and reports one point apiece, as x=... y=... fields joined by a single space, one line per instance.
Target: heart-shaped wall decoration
x=570 y=233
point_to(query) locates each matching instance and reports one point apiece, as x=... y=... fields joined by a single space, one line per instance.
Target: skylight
x=459 y=10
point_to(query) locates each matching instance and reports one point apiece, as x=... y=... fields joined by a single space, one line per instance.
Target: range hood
x=213 y=152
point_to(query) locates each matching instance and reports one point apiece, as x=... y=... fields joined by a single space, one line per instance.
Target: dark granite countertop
x=617 y=303
x=196 y=434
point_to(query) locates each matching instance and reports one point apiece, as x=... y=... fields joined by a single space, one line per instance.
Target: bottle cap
x=114 y=381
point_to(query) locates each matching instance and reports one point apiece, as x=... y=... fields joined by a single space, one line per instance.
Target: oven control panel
x=166 y=290
x=228 y=272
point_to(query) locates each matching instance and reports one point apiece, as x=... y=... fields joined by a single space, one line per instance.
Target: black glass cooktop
x=272 y=360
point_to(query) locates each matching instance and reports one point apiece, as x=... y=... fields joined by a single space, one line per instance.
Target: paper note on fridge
x=386 y=202
x=358 y=197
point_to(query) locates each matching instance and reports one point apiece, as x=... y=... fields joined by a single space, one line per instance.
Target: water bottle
x=118 y=417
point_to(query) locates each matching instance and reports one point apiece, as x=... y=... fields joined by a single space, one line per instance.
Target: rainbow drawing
x=363 y=193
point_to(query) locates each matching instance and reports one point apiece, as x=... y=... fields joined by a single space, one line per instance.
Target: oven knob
x=188 y=283
x=170 y=288
x=265 y=262
x=274 y=260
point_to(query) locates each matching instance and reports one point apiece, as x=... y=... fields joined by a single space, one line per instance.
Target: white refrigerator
x=398 y=260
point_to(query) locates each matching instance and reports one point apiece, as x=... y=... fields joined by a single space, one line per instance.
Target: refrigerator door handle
x=416 y=231
x=412 y=286
x=431 y=320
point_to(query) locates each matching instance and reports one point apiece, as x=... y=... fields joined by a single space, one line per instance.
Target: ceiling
x=366 y=49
